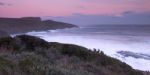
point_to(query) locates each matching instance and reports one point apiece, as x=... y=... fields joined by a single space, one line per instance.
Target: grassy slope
x=29 y=55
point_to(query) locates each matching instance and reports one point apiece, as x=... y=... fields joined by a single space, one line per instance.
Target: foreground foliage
x=29 y=55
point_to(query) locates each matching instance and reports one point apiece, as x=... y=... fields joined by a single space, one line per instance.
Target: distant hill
x=3 y=34
x=29 y=55
x=25 y=24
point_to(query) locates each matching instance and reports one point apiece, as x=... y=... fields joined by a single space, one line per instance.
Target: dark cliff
x=25 y=24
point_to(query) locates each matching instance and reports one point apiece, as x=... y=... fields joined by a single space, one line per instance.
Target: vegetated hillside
x=29 y=55
x=26 y=24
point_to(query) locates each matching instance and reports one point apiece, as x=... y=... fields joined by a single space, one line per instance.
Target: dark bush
x=6 y=67
x=74 y=50
x=32 y=43
x=9 y=43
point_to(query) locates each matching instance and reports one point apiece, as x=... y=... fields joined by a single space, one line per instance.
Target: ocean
x=128 y=43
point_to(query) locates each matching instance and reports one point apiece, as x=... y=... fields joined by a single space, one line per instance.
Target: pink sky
x=21 y=8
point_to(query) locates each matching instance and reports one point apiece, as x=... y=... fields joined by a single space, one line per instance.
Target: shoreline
x=39 y=31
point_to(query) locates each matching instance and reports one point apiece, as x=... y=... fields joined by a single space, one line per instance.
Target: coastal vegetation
x=29 y=55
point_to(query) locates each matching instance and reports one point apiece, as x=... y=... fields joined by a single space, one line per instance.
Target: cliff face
x=25 y=24
x=29 y=55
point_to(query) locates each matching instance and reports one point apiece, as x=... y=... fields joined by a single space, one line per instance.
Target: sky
x=81 y=12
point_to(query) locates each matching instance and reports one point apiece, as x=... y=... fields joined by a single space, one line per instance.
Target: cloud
x=5 y=4
x=80 y=7
x=9 y=4
x=129 y=17
x=1 y=3
x=127 y=12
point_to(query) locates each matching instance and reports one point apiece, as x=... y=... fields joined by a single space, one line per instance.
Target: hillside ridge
x=29 y=55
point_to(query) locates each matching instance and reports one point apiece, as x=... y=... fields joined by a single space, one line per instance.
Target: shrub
x=6 y=67
x=31 y=42
x=9 y=43
x=73 y=50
